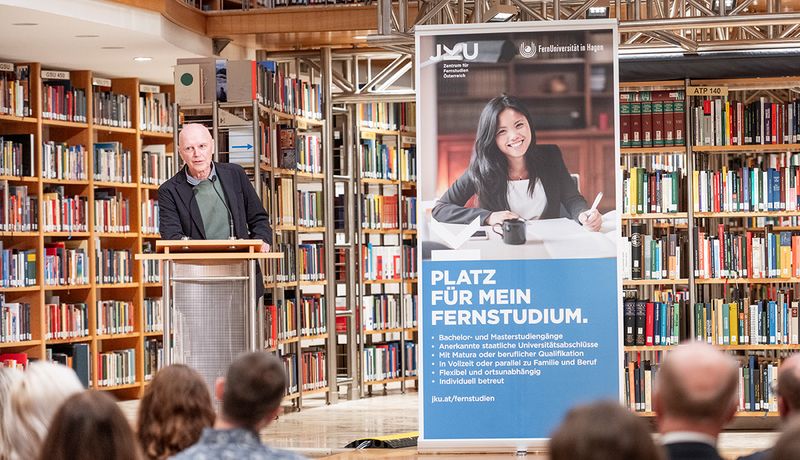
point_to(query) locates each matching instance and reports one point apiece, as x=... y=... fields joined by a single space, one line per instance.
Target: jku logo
x=527 y=50
x=459 y=52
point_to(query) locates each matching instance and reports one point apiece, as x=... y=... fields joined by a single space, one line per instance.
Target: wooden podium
x=211 y=312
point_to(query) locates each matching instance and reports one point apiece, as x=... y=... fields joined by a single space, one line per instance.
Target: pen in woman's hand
x=596 y=202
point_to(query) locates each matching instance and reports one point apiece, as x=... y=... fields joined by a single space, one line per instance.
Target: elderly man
x=694 y=398
x=207 y=200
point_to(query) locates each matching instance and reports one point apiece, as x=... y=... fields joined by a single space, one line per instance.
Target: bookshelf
x=386 y=220
x=720 y=267
x=272 y=125
x=83 y=299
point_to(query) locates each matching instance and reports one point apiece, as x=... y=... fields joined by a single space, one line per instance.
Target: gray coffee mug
x=513 y=231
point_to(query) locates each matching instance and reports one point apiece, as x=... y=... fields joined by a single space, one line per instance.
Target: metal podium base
x=210 y=320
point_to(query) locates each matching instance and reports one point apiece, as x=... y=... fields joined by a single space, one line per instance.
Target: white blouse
x=524 y=205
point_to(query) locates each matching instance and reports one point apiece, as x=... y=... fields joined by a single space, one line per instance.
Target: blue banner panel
x=511 y=345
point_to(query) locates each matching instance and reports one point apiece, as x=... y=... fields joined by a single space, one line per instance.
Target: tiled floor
x=321 y=430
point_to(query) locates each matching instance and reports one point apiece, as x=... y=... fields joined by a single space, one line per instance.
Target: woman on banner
x=511 y=176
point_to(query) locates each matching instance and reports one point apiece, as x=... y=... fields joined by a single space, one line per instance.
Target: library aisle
x=322 y=431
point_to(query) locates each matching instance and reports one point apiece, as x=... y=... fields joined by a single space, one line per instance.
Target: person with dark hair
x=788 y=396
x=512 y=176
x=251 y=395
x=603 y=431
x=173 y=412
x=90 y=425
x=694 y=397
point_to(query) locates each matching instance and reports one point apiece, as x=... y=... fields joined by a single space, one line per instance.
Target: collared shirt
x=194 y=181
x=687 y=436
x=233 y=444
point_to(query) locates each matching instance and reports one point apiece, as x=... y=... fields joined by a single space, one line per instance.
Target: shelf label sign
x=707 y=90
x=520 y=321
x=97 y=81
x=55 y=74
x=149 y=89
x=6 y=67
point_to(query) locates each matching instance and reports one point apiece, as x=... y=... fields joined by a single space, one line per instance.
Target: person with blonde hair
x=34 y=400
x=8 y=377
x=90 y=426
x=173 y=412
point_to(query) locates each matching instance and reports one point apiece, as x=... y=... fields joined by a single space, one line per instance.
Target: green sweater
x=212 y=209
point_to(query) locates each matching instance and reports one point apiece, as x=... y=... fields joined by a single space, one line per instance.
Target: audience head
x=788 y=444
x=695 y=390
x=34 y=400
x=91 y=426
x=252 y=391
x=603 y=431
x=8 y=378
x=175 y=408
x=789 y=387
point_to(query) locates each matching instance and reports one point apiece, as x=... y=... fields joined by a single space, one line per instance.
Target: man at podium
x=206 y=200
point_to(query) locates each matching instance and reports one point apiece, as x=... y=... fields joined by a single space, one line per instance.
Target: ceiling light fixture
x=142 y=59
x=112 y=47
x=500 y=13
x=25 y=24
x=359 y=37
x=87 y=36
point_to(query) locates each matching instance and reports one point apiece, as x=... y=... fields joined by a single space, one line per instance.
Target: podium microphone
x=230 y=216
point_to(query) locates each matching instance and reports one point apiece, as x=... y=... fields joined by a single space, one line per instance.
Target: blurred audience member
x=34 y=400
x=603 y=431
x=173 y=412
x=90 y=426
x=251 y=395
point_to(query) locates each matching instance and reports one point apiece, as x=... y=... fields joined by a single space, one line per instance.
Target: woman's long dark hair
x=488 y=166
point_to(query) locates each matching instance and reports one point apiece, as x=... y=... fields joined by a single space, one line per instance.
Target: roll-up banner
x=520 y=291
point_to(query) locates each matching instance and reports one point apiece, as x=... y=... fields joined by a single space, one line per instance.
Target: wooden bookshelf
x=84 y=134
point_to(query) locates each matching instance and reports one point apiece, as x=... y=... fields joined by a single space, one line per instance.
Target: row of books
x=410 y=270
x=308 y=153
x=408 y=212
x=62 y=213
x=149 y=215
x=60 y=100
x=112 y=212
x=290 y=369
x=311 y=262
x=289 y=95
x=388 y=311
x=153 y=357
x=284 y=269
x=750 y=254
x=116 y=368
x=381 y=262
x=63 y=161
x=310 y=208
x=648 y=256
x=17 y=267
x=151 y=271
x=746 y=189
x=112 y=109
x=382 y=361
x=15 y=321
x=112 y=163
x=15 y=94
x=153 y=314
x=652 y=118
x=16 y=155
x=280 y=322
x=156 y=110
x=388 y=115
x=379 y=161
x=65 y=320
x=724 y=121
x=313 y=315
x=157 y=164
x=115 y=317
x=314 y=369
x=18 y=209
x=14 y=360
x=756 y=383
x=113 y=266
x=284 y=192
x=66 y=264
x=379 y=211
x=659 y=191
x=74 y=355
